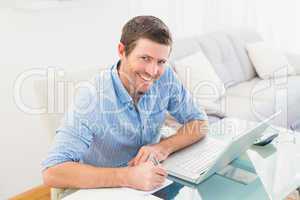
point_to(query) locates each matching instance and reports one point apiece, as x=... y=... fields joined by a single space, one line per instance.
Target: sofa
x=247 y=96
x=226 y=52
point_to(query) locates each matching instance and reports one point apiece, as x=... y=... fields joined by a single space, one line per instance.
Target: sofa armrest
x=294 y=60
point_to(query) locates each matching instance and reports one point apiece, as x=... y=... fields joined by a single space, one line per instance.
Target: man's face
x=145 y=64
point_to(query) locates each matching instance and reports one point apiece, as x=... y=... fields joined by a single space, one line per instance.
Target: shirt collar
x=120 y=90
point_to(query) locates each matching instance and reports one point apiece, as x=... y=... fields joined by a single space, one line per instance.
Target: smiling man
x=107 y=136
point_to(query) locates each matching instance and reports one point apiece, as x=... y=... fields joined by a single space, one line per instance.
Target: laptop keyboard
x=202 y=158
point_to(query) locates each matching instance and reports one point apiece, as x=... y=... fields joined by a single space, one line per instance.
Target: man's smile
x=145 y=78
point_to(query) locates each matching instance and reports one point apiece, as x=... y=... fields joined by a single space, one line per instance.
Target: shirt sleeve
x=181 y=104
x=74 y=136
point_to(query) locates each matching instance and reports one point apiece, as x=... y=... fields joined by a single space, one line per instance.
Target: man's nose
x=152 y=69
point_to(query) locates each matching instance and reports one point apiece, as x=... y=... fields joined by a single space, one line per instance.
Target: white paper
x=165 y=184
x=114 y=193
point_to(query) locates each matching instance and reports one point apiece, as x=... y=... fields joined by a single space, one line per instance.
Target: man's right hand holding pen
x=146 y=175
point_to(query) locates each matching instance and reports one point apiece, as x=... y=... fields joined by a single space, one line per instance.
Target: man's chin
x=143 y=90
x=140 y=93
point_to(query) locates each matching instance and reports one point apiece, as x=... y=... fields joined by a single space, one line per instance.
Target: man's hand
x=156 y=150
x=146 y=176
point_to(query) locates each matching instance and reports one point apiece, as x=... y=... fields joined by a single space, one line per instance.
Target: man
x=108 y=134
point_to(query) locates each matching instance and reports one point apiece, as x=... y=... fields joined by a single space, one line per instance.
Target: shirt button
x=130 y=106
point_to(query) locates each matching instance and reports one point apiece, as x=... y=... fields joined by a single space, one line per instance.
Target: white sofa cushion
x=239 y=40
x=228 y=56
x=268 y=61
x=184 y=47
x=200 y=78
x=225 y=50
x=244 y=108
x=280 y=93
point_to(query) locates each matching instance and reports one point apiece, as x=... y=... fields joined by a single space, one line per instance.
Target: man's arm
x=188 y=134
x=76 y=175
x=145 y=176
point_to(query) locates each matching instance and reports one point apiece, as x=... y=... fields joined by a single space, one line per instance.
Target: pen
x=153 y=159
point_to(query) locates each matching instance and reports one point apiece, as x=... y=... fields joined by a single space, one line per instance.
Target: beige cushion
x=200 y=78
x=268 y=61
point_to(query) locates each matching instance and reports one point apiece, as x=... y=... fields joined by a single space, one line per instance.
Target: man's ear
x=121 y=50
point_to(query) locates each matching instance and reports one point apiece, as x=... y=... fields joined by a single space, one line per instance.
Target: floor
x=38 y=193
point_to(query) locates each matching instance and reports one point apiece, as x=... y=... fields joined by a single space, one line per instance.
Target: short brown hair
x=148 y=27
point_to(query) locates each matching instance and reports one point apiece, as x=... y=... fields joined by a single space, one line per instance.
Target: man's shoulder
x=94 y=92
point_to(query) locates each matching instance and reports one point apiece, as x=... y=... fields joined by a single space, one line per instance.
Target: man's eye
x=145 y=58
x=162 y=62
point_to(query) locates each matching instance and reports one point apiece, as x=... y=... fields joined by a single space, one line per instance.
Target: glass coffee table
x=276 y=165
x=216 y=187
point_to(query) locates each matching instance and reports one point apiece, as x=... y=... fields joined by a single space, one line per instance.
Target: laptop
x=208 y=156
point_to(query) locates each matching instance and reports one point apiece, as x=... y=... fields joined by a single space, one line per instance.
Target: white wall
x=79 y=34
x=68 y=37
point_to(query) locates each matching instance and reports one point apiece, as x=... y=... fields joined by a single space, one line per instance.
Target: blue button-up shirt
x=104 y=127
